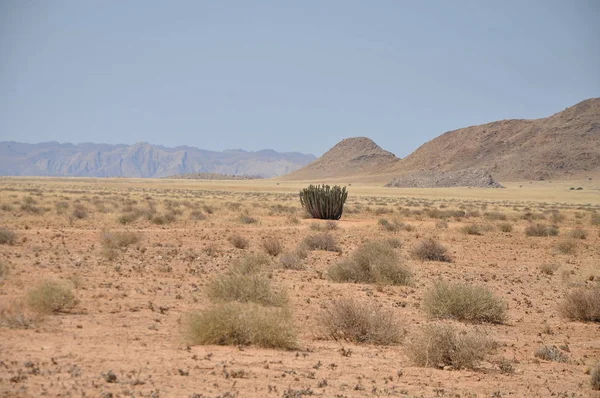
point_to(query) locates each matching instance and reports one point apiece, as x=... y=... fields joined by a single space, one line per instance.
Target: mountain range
x=140 y=160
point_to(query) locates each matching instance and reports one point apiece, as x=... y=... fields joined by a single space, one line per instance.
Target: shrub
x=4 y=271
x=442 y=224
x=252 y=263
x=394 y=225
x=582 y=305
x=430 y=250
x=464 y=303
x=541 y=230
x=567 y=246
x=197 y=215
x=595 y=377
x=595 y=219
x=322 y=241
x=272 y=246
x=118 y=239
x=238 y=241
x=440 y=345
x=361 y=322
x=79 y=212
x=128 y=217
x=505 y=227
x=291 y=260
x=472 y=229
x=163 y=219
x=549 y=269
x=330 y=225
x=495 y=215
x=578 y=233
x=246 y=219
x=324 y=202
x=372 y=262
x=7 y=237
x=51 y=297
x=241 y=324
x=551 y=354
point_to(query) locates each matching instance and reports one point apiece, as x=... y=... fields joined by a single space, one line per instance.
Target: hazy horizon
x=295 y=77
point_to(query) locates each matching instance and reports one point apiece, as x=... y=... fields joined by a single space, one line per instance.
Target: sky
x=294 y=76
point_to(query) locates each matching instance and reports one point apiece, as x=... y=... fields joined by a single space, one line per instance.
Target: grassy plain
x=136 y=287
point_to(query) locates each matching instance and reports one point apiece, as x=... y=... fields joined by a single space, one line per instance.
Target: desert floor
x=126 y=335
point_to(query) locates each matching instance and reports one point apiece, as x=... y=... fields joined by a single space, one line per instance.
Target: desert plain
x=137 y=259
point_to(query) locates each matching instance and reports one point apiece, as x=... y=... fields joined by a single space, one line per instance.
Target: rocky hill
x=474 y=178
x=559 y=146
x=350 y=157
x=140 y=160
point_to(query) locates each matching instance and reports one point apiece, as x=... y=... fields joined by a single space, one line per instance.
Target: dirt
x=125 y=337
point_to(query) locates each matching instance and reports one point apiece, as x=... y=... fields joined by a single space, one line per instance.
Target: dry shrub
x=246 y=219
x=329 y=225
x=472 y=229
x=595 y=219
x=394 y=225
x=442 y=224
x=430 y=250
x=567 y=246
x=7 y=237
x=394 y=243
x=238 y=241
x=505 y=227
x=582 y=305
x=464 y=302
x=291 y=260
x=361 y=322
x=246 y=282
x=197 y=215
x=237 y=323
x=4 y=271
x=372 y=262
x=79 y=212
x=549 y=269
x=578 y=233
x=119 y=239
x=128 y=217
x=323 y=241
x=556 y=217
x=51 y=297
x=440 y=345
x=541 y=230
x=16 y=315
x=163 y=219
x=272 y=246
x=251 y=263
x=553 y=354
x=595 y=377
x=495 y=215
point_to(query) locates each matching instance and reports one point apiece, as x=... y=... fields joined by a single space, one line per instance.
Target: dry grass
x=7 y=237
x=430 y=250
x=291 y=260
x=472 y=229
x=372 y=262
x=549 y=269
x=551 y=353
x=51 y=297
x=582 y=305
x=464 y=302
x=322 y=241
x=361 y=322
x=245 y=282
x=566 y=246
x=241 y=324
x=541 y=230
x=16 y=315
x=505 y=227
x=578 y=233
x=440 y=345
x=595 y=377
x=246 y=219
x=272 y=246
x=238 y=241
x=119 y=239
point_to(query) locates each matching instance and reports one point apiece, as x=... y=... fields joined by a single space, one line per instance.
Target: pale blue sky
x=288 y=75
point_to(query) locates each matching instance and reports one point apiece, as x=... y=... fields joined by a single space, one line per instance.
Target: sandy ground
x=125 y=337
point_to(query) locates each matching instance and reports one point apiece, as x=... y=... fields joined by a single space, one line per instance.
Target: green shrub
x=51 y=297
x=440 y=345
x=372 y=262
x=237 y=323
x=7 y=237
x=324 y=202
x=582 y=305
x=361 y=322
x=541 y=230
x=464 y=302
x=430 y=250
